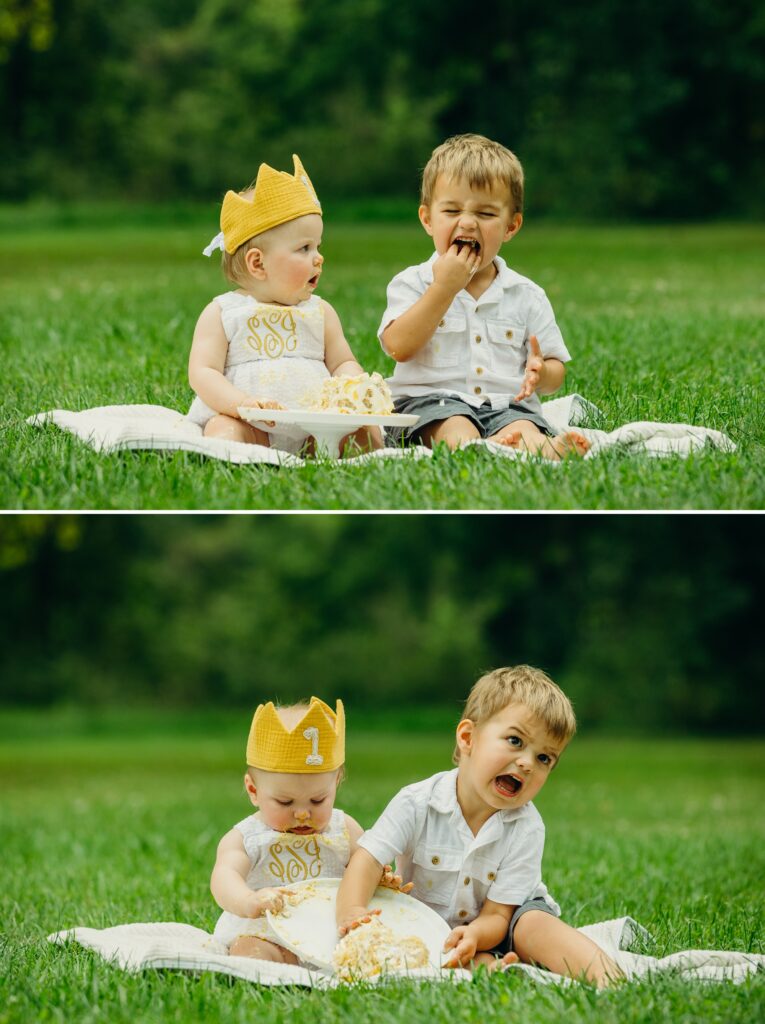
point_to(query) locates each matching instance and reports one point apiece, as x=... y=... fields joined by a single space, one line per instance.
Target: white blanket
x=134 y=947
x=111 y=428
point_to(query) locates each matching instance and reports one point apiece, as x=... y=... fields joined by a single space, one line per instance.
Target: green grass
x=664 y=323
x=111 y=819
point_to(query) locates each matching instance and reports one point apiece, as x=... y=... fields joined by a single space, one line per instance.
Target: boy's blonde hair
x=480 y=162
x=525 y=685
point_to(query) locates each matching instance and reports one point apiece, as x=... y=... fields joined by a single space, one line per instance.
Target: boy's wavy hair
x=481 y=162
x=525 y=685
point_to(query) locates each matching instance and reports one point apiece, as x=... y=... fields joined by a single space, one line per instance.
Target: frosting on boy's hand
x=454 y=268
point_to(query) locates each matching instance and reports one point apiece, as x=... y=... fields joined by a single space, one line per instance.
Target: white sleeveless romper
x=282 y=858
x=274 y=352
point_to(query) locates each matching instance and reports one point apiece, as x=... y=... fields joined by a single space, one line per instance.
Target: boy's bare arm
x=228 y=885
x=406 y=335
x=485 y=932
x=356 y=890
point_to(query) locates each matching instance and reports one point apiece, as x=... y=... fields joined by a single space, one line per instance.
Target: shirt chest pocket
x=507 y=345
x=435 y=874
x=445 y=348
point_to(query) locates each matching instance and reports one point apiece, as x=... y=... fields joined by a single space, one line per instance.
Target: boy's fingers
x=534 y=346
x=407 y=888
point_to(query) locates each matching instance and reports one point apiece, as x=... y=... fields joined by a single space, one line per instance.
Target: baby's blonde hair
x=232 y=263
x=525 y=685
x=480 y=162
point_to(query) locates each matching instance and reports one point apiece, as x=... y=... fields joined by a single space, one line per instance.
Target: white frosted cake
x=373 y=948
x=364 y=394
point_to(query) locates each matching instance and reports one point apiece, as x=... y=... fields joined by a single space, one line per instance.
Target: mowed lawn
x=664 y=323
x=111 y=819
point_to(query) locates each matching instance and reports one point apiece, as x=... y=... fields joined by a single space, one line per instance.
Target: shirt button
x=435 y=860
x=442 y=323
x=508 y=334
x=466 y=881
x=477 y=390
x=491 y=876
x=463 y=913
x=478 y=339
x=479 y=369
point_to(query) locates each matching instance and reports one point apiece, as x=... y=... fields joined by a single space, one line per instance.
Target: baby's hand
x=356 y=917
x=464 y=945
x=253 y=403
x=454 y=268
x=535 y=366
x=268 y=899
x=391 y=881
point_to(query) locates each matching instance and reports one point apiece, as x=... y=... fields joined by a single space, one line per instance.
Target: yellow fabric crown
x=315 y=744
x=279 y=197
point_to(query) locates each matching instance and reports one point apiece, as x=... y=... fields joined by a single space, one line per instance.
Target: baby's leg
x=526 y=436
x=229 y=428
x=454 y=431
x=368 y=439
x=261 y=949
x=542 y=939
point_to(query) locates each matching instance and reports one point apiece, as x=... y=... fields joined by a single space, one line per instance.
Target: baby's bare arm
x=228 y=885
x=207 y=362
x=356 y=890
x=338 y=357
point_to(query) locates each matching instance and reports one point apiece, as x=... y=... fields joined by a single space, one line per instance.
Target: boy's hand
x=454 y=268
x=267 y=899
x=464 y=944
x=356 y=917
x=391 y=881
x=535 y=367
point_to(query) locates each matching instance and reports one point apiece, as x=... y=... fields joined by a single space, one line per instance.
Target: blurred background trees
x=655 y=110
x=649 y=622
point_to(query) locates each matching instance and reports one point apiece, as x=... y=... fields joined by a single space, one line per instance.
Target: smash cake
x=373 y=948
x=365 y=394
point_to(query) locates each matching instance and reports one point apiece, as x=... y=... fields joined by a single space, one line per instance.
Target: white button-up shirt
x=480 y=348
x=453 y=871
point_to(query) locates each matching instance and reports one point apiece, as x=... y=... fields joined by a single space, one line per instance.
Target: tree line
x=649 y=111
x=648 y=622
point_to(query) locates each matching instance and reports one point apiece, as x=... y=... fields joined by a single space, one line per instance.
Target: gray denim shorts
x=441 y=406
x=507 y=945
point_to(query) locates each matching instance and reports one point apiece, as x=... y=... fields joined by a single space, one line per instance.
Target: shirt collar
x=443 y=798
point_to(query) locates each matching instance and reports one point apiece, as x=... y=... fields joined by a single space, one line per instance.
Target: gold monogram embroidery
x=272 y=333
x=289 y=865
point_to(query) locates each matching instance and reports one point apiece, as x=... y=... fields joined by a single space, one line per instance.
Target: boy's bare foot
x=555 y=448
x=496 y=963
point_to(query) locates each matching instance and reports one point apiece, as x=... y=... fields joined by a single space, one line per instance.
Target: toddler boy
x=471 y=841
x=474 y=342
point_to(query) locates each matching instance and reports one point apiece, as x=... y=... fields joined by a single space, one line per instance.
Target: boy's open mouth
x=508 y=785
x=473 y=243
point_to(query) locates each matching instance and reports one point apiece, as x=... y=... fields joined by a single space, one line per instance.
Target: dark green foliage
x=654 y=110
x=649 y=623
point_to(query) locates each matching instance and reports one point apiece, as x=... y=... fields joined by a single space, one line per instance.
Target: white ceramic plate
x=329 y=428
x=310 y=931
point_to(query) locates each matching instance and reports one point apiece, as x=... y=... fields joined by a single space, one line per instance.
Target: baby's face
x=293 y=803
x=292 y=261
x=507 y=759
x=482 y=217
